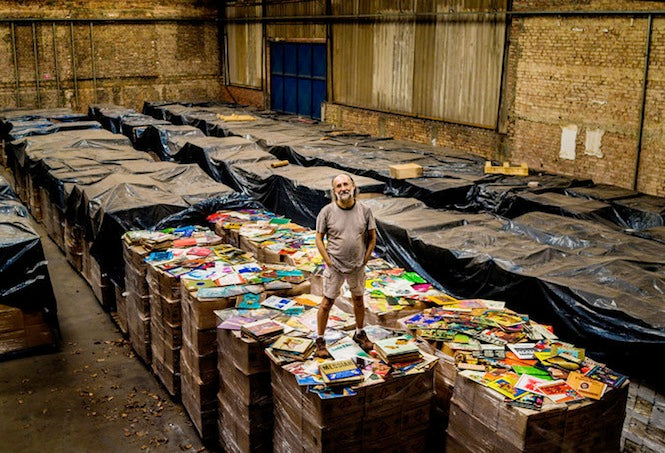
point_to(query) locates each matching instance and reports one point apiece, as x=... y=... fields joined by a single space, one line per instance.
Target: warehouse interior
x=509 y=150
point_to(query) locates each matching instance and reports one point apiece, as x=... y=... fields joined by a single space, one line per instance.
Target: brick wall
x=132 y=61
x=587 y=72
x=475 y=140
x=244 y=96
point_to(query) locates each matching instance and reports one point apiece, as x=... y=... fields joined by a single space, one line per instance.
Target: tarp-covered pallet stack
x=28 y=310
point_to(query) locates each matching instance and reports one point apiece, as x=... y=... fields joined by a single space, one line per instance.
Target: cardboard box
x=404 y=171
x=11 y=318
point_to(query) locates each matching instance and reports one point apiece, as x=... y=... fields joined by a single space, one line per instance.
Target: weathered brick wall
x=243 y=96
x=587 y=72
x=132 y=61
x=475 y=140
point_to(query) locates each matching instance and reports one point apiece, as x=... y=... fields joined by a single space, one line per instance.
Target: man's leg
x=356 y=283
x=359 y=310
x=322 y=315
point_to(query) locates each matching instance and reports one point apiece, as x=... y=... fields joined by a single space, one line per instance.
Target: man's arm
x=370 y=245
x=322 y=249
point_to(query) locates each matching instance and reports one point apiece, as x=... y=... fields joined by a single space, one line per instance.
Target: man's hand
x=322 y=249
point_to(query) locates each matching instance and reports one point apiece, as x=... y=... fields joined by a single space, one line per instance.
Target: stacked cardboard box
x=53 y=219
x=198 y=360
x=99 y=281
x=137 y=302
x=245 y=397
x=389 y=416
x=480 y=421
x=165 y=327
x=73 y=241
x=21 y=330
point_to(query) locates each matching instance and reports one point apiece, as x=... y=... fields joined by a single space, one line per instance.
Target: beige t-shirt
x=346 y=230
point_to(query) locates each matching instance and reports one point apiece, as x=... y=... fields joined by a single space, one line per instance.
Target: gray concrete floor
x=91 y=395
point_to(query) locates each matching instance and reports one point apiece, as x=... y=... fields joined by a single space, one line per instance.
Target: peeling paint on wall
x=568 y=140
x=593 y=141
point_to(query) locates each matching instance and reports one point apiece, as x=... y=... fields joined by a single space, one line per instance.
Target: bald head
x=343 y=190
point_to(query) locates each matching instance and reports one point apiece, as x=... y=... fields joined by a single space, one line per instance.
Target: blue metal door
x=297 y=78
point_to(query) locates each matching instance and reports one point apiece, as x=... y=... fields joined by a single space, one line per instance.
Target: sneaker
x=321 y=350
x=363 y=341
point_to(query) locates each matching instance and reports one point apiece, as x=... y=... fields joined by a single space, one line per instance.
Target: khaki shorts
x=333 y=281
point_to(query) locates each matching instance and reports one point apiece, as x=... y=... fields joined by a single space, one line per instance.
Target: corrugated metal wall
x=245 y=47
x=448 y=68
x=442 y=67
x=296 y=31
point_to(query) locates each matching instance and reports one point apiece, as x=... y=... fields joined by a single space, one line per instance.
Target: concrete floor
x=91 y=395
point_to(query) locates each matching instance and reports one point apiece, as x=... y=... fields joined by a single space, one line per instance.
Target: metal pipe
x=57 y=67
x=329 y=53
x=264 y=43
x=503 y=79
x=76 y=83
x=92 y=60
x=376 y=17
x=36 y=57
x=16 y=74
x=647 y=57
x=109 y=20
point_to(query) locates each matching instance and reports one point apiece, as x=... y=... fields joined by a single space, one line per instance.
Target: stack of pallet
x=137 y=303
x=245 y=397
x=73 y=241
x=165 y=327
x=480 y=421
x=389 y=416
x=198 y=360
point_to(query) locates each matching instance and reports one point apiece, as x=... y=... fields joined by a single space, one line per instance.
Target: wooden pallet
x=507 y=169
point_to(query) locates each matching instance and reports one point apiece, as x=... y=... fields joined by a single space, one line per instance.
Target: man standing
x=351 y=236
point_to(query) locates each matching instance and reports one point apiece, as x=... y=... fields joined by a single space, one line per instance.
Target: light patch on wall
x=593 y=141
x=568 y=139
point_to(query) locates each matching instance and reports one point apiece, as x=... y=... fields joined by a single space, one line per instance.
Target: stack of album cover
x=394 y=350
x=263 y=330
x=341 y=372
x=293 y=348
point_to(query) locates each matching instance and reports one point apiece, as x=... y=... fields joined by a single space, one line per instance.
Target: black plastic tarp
x=109 y=115
x=166 y=140
x=9 y=118
x=641 y=212
x=24 y=277
x=398 y=219
x=216 y=155
x=296 y=192
x=562 y=258
x=587 y=238
x=134 y=126
x=600 y=288
x=18 y=133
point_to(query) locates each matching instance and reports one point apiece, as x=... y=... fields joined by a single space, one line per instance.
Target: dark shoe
x=321 y=350
x=363 y=341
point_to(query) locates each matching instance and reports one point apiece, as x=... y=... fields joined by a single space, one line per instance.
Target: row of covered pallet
x=450 y=179
x=590 y=279
x=199 y=393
